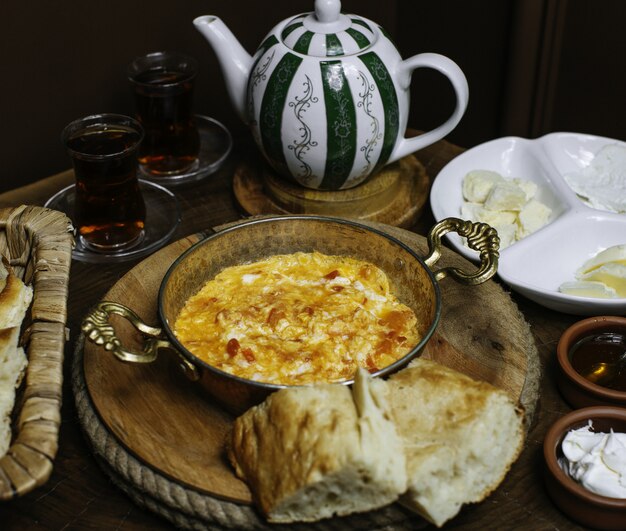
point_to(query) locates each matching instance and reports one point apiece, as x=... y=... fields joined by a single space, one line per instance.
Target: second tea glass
x=163 y=83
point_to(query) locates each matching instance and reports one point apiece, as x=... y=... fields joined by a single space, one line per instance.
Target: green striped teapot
x=327 y=95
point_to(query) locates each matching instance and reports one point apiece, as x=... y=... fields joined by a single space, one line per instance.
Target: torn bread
x=12 y=362
x=15 y=297
x=11 y=376
x=12 y=365
x=309 y=453
x=460 y=437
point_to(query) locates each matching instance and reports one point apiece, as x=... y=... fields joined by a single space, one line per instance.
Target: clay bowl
x=587 y=508
x=577 y=390
x=414 y=282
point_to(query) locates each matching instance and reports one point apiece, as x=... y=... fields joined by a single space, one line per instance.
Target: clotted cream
x=596 y=460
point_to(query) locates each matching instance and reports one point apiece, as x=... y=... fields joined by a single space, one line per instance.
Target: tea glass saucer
x=215 y=145
x=162 y=218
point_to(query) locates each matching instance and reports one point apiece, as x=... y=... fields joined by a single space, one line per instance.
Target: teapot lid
x=327 y=32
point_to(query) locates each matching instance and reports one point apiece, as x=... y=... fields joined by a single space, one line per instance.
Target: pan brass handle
x=99 y=330
x=480 y=237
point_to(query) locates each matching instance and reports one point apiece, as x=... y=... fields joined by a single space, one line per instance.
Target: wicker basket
x=38 y=243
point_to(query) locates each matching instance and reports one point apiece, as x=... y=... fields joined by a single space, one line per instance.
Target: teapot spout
x=234 y=61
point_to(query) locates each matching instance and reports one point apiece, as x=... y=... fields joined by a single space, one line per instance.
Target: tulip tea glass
x=109 y=210
x=163 y=87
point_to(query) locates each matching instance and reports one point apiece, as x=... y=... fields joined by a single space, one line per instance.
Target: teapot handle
x=448 y=68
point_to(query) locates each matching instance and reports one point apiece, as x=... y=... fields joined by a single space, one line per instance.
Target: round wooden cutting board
x=177 y=431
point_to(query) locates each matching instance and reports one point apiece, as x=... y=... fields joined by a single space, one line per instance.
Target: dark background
x=533 y=66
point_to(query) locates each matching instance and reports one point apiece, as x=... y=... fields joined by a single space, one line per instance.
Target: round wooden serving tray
x=165 y=421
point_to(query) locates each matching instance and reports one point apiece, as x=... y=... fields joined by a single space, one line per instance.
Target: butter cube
x=478 y=183
x=505 y=196
x=507 y=233
x=532 y=217
x=497 y=218
x=529 y=187
x=471 y=211
x=476 y=212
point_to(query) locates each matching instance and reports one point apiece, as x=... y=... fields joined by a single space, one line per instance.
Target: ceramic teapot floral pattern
x=327 y=95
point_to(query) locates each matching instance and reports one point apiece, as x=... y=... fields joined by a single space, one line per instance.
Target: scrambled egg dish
x=298 y=319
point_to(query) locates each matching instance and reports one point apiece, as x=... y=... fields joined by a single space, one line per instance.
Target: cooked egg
x=298 y=319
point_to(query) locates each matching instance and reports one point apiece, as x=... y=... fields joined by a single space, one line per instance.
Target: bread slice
x=460 y=437
x=15 y=297
x=12 y=358
x=9 y=339
x=12 y=364
x=309 y=453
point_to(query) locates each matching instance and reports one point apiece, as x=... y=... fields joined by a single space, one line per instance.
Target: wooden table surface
x=79 y=495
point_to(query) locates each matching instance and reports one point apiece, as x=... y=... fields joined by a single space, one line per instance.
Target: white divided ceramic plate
x=537 y=265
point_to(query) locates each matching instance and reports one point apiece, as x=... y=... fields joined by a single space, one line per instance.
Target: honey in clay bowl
x=591 y=362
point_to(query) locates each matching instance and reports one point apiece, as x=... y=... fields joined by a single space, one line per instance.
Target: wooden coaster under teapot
x=396 y=195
